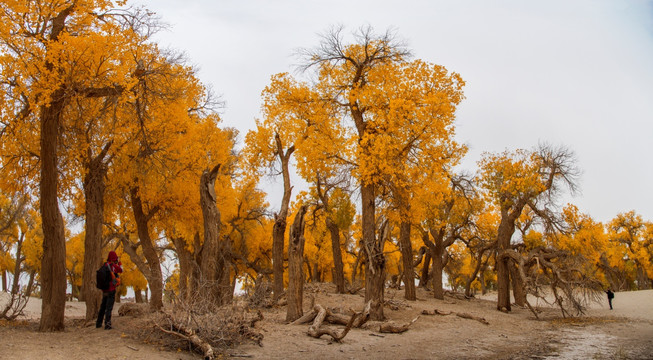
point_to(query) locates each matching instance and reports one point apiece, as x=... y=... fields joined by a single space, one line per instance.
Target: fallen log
x=188 y=334
x=306 y=318
x=336 y=318
x=436 y=312
x=316 y=330
x=457 y=295
x=393 y=328
x=472 y=317
x=462 y=315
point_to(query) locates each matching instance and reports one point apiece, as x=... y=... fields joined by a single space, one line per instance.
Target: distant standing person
x=610 y=297
x=109 y=295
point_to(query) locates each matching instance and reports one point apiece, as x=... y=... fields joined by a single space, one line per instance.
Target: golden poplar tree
x=392 y=112
x=54 y=52
x=520 y=179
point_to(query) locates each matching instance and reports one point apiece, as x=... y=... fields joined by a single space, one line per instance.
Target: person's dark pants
x=610 y=302
x=108 y=298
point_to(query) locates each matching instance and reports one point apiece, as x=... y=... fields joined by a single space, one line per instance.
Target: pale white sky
x=577 y=73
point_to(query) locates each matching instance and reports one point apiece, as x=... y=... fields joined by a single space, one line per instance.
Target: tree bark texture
x=518 y=290
x=373 y=252
x=53 y=263
x=279 y=228
x=407 y=260
x=295 y=294
x=504 y=234
x=153 y=275
x=214 y=265
x=424 y=279
x=185 y=267
x=338 y=266
x=436 y=248
x=94 y=188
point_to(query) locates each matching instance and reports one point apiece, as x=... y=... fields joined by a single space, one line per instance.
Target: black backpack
x=103 y=277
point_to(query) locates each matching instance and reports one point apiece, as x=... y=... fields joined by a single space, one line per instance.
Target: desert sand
x=623 y=333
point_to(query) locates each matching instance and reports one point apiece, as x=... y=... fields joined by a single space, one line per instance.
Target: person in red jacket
x=109 y=296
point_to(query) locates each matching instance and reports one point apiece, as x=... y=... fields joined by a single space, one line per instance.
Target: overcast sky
x=574 y=73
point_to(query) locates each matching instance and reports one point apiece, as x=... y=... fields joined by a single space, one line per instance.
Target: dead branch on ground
x=320 y=315
x=461 y=315
x=316 y=330
x=190 y=335
x=390 y=327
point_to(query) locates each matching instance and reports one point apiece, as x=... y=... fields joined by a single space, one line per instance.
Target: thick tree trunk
x=643 y=282
x=53 y=262
x=518 y=290
x=153 y=274
x=185 y=267
x=436 y=255
x=373 y=252
x=338 y=266
x=407 y=260
x=94 y=188
x=504 y=234
x=4 y=281
x=437 y=252
x=214 y=262
x=278 y=234
x=295 y=292
x=138 y=296
x=279 y=228
x=424 y=279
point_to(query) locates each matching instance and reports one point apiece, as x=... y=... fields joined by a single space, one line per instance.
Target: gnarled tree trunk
x=153 y=272
x=296 y=242
x=94 y=188
x=518 y=290
x=279 y=228
x=53 y=262
x=424 y=279
x=504 y=234
x=338 y=266
x=407 y=260
x=214 y=262
x=185 y=267
x=373 y=254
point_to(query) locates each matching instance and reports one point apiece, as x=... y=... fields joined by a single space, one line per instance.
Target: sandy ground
x=623 y=333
